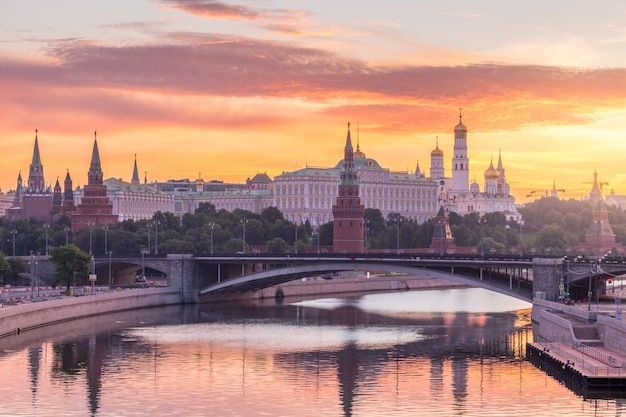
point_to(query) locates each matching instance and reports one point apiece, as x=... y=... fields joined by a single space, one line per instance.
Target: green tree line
x=550 y=226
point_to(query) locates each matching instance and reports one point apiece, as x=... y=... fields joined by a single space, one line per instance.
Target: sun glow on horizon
x=230 y=90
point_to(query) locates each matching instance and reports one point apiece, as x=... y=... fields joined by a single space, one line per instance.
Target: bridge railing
x=595 y=353
x=581 y=361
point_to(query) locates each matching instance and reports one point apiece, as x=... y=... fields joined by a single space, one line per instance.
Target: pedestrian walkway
x=584 y=364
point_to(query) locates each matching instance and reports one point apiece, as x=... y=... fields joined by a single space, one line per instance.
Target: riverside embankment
x=31 y=315
x=20 y=318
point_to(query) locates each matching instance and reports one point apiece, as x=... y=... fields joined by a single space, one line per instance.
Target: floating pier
x=588 y=371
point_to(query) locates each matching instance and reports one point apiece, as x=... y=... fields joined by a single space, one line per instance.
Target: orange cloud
x=188 y=87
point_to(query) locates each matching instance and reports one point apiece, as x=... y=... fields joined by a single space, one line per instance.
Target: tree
x=277 y=246
x=70 y=262
x=17 y=266
x=552 y=237
x=175 y=245
x=271 y=214
x=254 y=232
x=234 y=245
x=326 y=234
x=5 y=267
x=375 y=221
x=206 y=208
x=488 y=245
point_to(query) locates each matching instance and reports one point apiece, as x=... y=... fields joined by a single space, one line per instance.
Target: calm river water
x=431 y=353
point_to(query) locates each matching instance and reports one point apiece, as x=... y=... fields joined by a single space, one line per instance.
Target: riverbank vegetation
x=550 y=227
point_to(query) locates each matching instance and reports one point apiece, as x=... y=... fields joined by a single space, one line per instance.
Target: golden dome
x=460 y=127
x=437 y=151
x=491 y=173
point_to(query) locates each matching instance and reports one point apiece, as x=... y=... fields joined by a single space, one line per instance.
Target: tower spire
x=95 y=174
x=36 y=182
x=348 y=175
x=135 y=179
x=36 y=157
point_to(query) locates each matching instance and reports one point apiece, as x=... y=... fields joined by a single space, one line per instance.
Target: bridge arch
x=123 y=271
x=267 y=278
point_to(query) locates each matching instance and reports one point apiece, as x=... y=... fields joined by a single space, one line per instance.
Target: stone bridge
x=202 y=277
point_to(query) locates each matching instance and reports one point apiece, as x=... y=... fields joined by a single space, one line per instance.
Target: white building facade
x=309 y=193
x=458 y=196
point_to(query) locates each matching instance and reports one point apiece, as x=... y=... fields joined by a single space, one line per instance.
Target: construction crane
x=601 y=184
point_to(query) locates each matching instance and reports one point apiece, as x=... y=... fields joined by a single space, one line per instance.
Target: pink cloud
x=214 y=9
x=103 y=78
x=278 y=20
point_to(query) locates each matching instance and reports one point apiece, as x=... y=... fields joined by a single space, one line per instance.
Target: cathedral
x=456 y=194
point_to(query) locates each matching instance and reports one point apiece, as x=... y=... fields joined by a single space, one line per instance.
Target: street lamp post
x=589 y=293
x=244 y=221
x=92 y=275
x=47 y=251
x=90 y=223
x=295 y=242
x=367 y=228
x=14 y=232
x=597 y=265
x=156 y=237
x=143 y=264
x=31 y=267
x=397 y=236
x=212 y=225
x=66 y=229
x=318 y=235
x=521 y=242
x=106 y=245
x=110 y=253
x=37 y=276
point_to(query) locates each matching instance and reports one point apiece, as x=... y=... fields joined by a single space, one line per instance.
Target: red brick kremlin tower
x=442 y=241
x=95 y=208
x=34 y=200
x=348 y=211
x=63 y=200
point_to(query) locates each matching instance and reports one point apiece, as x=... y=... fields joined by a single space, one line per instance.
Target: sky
x=224 y=89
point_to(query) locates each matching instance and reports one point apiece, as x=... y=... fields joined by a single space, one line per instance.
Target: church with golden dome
x=455 y=193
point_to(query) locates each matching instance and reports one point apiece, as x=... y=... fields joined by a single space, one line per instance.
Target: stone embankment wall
x=548 y=325
x=612 y=332
x=20 y=318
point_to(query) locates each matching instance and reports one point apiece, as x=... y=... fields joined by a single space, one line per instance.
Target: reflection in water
x=331 y=357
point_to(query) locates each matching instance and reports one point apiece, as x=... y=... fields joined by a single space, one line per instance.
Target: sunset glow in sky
x=225 y=89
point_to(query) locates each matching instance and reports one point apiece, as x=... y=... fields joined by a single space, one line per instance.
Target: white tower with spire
x=460 y=161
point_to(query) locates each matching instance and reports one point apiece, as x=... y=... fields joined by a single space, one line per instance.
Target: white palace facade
x=309 y=193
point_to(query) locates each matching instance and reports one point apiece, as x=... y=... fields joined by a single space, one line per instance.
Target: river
x=432 y=353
